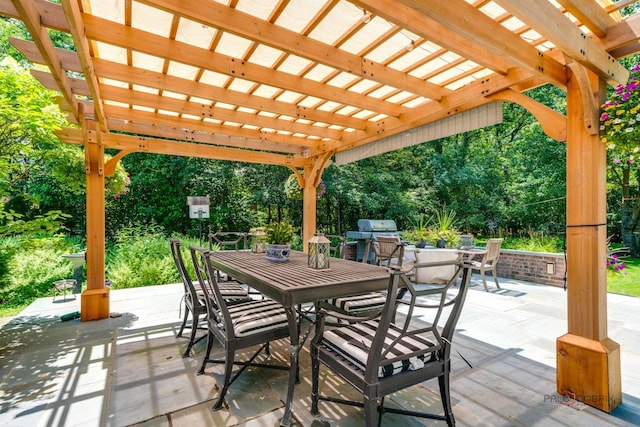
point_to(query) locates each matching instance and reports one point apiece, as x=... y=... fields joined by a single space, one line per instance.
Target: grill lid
x=377 y=225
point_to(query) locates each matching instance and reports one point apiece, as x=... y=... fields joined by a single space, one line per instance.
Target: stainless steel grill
x=368 y=229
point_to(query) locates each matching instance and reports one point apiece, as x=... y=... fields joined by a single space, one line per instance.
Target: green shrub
x=141 y=257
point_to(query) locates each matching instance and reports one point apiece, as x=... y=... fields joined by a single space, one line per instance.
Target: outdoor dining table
x=293 y=283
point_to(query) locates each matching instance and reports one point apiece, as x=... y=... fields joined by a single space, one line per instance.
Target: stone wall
x=537 y=267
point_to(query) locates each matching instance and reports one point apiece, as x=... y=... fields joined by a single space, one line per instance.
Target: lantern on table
x=318 y=252
x=258 y=238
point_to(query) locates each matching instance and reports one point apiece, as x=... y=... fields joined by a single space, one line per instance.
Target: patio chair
x=236 y=327
x=489 y=260
x=234 y=240
x=381 y=356
x=337 y=245
x=386 y=249
x=194 y=298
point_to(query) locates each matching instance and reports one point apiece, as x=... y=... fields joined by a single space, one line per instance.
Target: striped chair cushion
x=257 y=316
x=360 y=303
x=233 y=291
x=353 y=342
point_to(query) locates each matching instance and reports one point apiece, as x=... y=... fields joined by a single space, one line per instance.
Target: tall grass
x=141 y=257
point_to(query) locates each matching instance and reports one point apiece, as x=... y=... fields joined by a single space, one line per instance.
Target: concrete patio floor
x=128 y=370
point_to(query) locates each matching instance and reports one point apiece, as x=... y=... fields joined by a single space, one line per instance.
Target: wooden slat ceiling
x=288 y=81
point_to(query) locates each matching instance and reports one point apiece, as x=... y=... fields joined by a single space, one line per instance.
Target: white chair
x=488 y=262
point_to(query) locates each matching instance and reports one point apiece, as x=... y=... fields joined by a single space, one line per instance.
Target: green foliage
x=141 y=257
x=12 y=223
x=28 y=267
x=279 y=233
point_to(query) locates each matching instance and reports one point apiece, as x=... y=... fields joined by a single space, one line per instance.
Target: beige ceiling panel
x=233 y=46
x=146 y=89
x=113 y=53
x=374 y=30
x=261 y=9
x=180 y=96
x=142 y=108
x=320 y=73
x=168 y=113
x=289 y=96
x=297 y=15
x=416 y=102
x=144 y=61
x=343 y=16
x=214 y=79
x=342 y=80
x=200 y=100
x=194 y=33
x=113 y=10
x=116 y=83
x=265 y=56
x=150 y=19
x=183 y=71
x=266 y=91
x=294 y=65
x=241 y=85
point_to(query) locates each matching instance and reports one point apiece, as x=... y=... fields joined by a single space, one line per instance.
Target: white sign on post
x=198 y=207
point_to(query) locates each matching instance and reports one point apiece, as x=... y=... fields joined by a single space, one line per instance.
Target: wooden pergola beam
x=72 y=13
x=143 y=99
x=31 y=18
x=457 y=16
x=157 y=119
x=186 y=149
x=595 y=18
x=239 y=23
x=556 y=27
x=432 y=30
x=120 y=35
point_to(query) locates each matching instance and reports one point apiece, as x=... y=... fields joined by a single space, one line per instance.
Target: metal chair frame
x=381 y=350
x=221 y=326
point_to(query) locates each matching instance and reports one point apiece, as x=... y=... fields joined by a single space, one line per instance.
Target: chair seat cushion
x=257 y=316
x=360 y=303
x=353 y=343
x=231 y=291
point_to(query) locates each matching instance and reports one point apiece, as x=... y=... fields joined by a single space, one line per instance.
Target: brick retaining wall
x=531 y=266
x=519 y=265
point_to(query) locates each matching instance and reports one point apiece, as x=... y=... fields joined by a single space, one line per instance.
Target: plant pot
x=441 y=243
x=277 y=253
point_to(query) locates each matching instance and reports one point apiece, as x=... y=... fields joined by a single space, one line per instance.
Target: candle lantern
x=319 y=252
x=258 y=239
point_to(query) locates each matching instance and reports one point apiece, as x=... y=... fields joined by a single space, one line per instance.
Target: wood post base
x=589 y=371
x=94 y=304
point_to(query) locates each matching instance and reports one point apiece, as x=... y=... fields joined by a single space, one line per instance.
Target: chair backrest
x=431 y=318
x=387 y=248
x=234 y=240
x=337 y=245
x=493 y=251
x=189 y=289
x=217 y=311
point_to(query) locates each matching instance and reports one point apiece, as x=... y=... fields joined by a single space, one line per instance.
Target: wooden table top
x=294 y=282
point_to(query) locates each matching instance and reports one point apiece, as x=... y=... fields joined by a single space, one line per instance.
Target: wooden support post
x=309 y=205
x=588 y=361
x=94 y=303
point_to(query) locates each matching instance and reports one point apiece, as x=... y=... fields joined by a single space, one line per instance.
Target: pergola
x=298 y=82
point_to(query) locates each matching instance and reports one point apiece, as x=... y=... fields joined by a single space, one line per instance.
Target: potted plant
x=278 y=237
x=443 y=232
